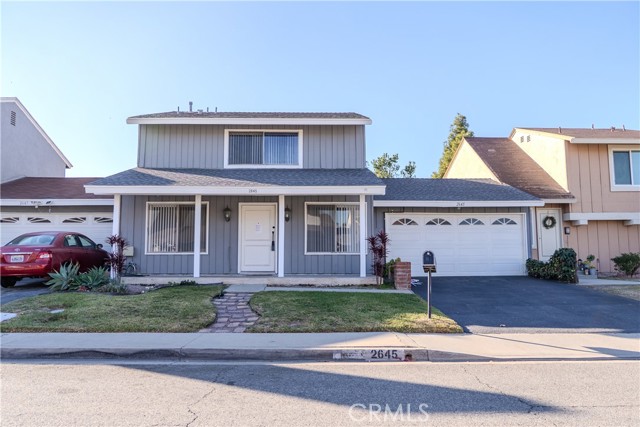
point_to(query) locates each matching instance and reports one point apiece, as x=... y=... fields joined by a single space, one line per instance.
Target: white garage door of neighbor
x=463 y=244
x=96 y=226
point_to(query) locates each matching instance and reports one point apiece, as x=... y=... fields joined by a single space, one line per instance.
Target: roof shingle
x=48 y=188
x=451 y=189
x=249 y=115
x=512 y=166
x=590 y=133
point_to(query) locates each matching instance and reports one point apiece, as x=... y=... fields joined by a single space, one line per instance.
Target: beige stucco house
x=589 y=180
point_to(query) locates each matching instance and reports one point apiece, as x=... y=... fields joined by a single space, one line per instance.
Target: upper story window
x=625 y=168
x=263 y=149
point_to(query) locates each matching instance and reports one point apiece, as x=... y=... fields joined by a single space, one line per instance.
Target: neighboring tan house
x=275 y=194
x=589 y=180
x=34 y=193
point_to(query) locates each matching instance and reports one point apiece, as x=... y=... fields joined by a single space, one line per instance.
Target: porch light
x=227 y=214
x=287 y=214
x=567 y=230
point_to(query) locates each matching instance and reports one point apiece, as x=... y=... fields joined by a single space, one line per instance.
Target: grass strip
x=174 y=309
x=346 y=312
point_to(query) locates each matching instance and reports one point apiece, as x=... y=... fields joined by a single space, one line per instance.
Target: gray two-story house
x=219 y=193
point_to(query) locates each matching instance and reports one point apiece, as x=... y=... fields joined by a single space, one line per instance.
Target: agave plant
x=94 y=278
x=65 y=278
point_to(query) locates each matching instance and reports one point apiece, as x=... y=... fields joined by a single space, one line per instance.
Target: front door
x=549 y=237
x=257 y=238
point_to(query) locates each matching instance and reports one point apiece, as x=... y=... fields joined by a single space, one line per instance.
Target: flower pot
x=593 y=271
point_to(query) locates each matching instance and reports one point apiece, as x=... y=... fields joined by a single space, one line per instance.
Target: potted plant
x=590 y=267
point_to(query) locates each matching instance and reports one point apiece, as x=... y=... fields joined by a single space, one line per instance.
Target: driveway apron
x=515 y=304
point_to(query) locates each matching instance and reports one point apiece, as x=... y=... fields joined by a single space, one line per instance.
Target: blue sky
x=82 y=68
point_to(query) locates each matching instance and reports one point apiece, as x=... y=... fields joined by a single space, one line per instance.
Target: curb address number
x=371 y=354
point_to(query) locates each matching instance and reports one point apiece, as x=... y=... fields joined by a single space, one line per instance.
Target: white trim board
x=236 y=191
x=582 y=218
x=245 y=121
x=56 y=202
x=456 y=204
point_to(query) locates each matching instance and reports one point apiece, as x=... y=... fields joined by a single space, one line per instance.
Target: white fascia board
x=456 y=204
x=608 y=141
x=56 y=202
x=244 y=121
x=549 y=201
x=602 y=216
x=38 y=128
x=157 y=190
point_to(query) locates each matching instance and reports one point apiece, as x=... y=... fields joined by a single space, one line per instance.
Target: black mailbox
x=429 y=262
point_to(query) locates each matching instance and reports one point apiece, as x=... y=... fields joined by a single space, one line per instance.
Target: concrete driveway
x=523 y=304
x=23 y=289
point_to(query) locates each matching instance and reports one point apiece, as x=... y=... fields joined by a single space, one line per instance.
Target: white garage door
x=96 y=226
x=463 y=244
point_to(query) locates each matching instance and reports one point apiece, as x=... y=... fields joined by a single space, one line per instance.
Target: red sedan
x=38 y=254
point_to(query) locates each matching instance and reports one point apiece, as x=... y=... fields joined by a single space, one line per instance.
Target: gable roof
x=239 y=182
x=586 y=133
x=248 y=118
x=451 y=192
x=512 y=166
x=49 y=189
x=33 y=121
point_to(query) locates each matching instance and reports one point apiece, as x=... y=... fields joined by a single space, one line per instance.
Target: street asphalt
x=517 y=304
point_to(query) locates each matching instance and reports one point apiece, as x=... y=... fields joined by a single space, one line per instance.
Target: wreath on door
x=549 y=222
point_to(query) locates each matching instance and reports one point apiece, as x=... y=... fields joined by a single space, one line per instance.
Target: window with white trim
x=332 y=228
x=405 y=221
x=263 y=148
x=625 y=167
x=171 y=227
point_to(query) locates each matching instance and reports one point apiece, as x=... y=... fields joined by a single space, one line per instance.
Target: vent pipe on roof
x=559 y=129
x=191 y=106
x=593 y=127
x=207 y=109
x=613 y=128
x=623 y=128
x=216 y=109
x=178 y=109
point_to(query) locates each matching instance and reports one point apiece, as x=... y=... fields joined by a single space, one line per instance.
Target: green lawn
x=175 y=309
x=346 y=312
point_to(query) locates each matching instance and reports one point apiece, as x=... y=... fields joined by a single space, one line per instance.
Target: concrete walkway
x=594 y=281
x=323 y=346
x=252 y=288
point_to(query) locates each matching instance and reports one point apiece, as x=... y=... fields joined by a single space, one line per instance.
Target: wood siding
x=590 y=181
x=222 y=256
x=202 y=146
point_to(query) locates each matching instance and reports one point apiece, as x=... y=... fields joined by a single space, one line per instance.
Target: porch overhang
x=235 y=191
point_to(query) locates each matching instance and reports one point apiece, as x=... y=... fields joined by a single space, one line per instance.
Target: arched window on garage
x=38 y=220
x=471 y=221
x=9 y=220
x=103 y=220
x=438 y=221
x=504 y=221
x=405 y=221
x=75 y=220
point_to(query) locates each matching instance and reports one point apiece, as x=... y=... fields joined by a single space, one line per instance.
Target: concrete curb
x=270 y=354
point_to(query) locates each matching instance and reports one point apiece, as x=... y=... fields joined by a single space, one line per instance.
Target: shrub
x=378 y=247
x=561 y=267
x=114 y=286
x=94 y=278
x=65 y=278
x=627 y=263
x=182 y=283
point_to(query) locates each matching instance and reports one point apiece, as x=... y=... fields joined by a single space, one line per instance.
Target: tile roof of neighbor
x=451 y=189
x=589 y=133
x=512 y=166
x=248 y=115
x=48 y=188
x=241 y=177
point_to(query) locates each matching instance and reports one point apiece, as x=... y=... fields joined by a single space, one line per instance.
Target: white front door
x=257 y=238
x=549 y=237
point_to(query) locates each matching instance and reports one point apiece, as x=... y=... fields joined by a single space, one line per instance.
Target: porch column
x=281 y=235
x=363 y=237
x=116 y=214
x=197 y=229
x=115 y=228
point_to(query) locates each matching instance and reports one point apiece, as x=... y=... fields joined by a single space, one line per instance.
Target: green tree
x=386 y=166
x=459 y=129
